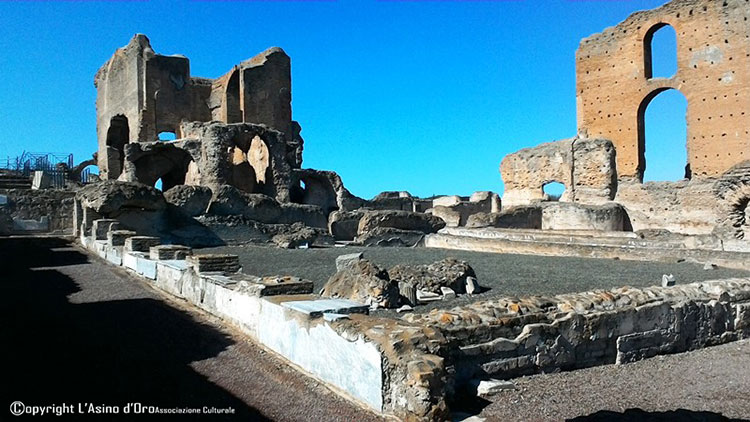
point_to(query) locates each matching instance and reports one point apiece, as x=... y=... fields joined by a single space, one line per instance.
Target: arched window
x=660 y=51
x=553 y=191
x=662 y=137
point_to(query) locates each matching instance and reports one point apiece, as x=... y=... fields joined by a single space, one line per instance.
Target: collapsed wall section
x=586 y=167
x=141 y=94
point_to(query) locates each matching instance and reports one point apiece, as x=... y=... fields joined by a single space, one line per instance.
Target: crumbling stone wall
x=585 y=166
x=510 y=337
x=685 y=206
x=614 y=83
x=54 y=205
x=141 y=94
x=247 y=156
x=456 y=210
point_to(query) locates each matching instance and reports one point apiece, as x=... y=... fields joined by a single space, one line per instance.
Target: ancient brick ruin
x=606 y=161
x=142 y=94
x=615 y=84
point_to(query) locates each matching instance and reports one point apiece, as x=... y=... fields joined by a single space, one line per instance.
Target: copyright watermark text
x=18 y=408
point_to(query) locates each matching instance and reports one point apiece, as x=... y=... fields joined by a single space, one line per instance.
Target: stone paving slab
x=316 y=308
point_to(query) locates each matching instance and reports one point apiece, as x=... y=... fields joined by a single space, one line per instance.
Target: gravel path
x=710 y=384
x=504 y=274
x=75 y=330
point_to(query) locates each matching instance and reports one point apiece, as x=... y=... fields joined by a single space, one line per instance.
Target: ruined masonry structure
x=606 y=161
x=235 y=130
x=615 y=86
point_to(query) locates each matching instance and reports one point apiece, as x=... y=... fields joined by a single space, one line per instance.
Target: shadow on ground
x=109 y=352
x=638 y=415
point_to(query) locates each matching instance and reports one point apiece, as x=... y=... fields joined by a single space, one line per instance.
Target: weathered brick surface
x=713 y=58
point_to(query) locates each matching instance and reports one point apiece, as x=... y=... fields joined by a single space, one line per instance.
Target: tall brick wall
x=713 y=57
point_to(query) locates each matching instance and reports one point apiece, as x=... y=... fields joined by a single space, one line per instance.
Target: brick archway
x=641 y=123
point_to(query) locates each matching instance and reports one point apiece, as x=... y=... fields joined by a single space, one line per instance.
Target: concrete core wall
x=585 y=166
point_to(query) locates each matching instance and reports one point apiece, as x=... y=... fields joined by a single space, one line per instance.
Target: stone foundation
x=508 y=337
x=594 y=244
x=26 y=210
x=389 y=366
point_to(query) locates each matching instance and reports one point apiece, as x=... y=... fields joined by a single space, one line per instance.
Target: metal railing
x=56 y=166
x=29 y=162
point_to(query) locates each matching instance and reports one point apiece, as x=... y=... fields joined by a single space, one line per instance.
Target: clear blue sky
x=424 y=96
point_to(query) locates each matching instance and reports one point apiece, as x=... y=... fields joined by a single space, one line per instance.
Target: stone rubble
x=448 y=272
x=364 y=282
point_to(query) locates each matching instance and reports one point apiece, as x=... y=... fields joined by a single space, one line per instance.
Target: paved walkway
x=75 y=330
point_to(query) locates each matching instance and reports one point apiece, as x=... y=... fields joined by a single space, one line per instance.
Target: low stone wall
x=575 y=216
x=509 y=337
x=44 y=210
x=594 y=244
x=390 y=366
x=689 y=207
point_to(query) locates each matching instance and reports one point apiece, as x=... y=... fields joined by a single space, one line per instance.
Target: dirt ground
x=711 y=384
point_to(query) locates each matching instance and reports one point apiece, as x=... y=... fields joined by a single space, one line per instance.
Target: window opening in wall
x=159 y=184
x=660 y=52
x=232 y=99
x=553 y=191
x=118 y=135
x=662 y=131
x=167 y=136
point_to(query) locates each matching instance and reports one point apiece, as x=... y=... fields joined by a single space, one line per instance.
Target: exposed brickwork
x=713 y=57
